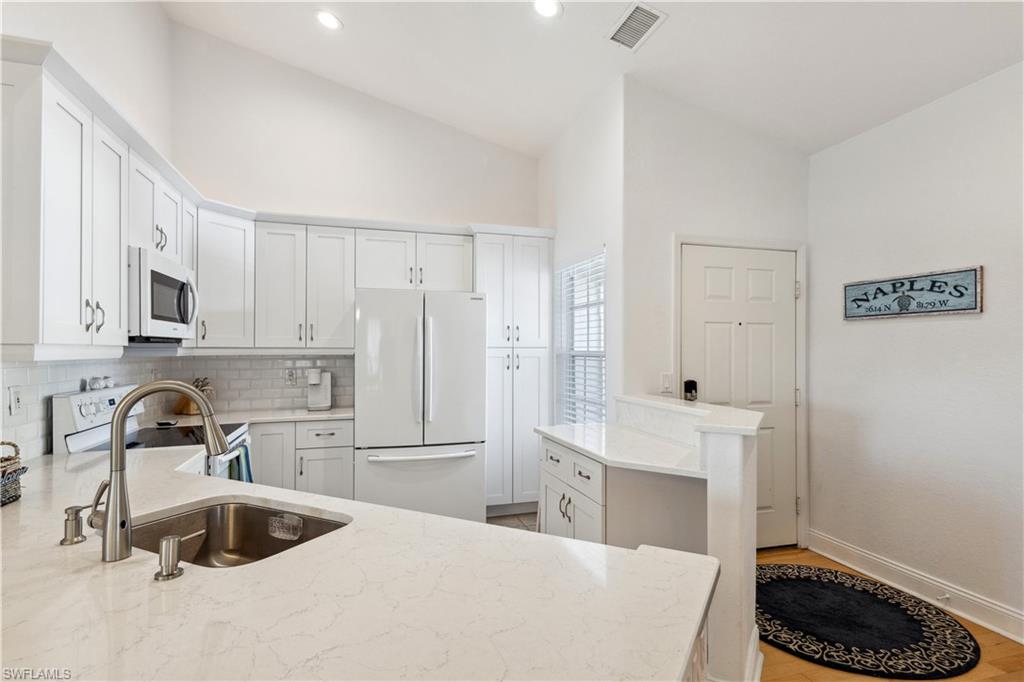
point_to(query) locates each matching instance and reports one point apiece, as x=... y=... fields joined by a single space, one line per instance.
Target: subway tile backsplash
x=255 y=383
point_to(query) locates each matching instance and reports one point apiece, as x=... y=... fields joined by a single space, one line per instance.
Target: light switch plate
x=666 y=383
x=15 y=404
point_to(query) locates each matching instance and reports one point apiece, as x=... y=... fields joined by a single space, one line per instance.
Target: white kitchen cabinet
x=498 y=470
x=585 y=516
x=330 y=287
x=565 y=510
x=495 y=263
x=553 y=520
x=444 y=262
x=272 y=451
x=385 y=259
x=532 y=292
x=143 y=188
x=325 y=471
x=109 y=237
x=531 y=368
x=280 y=285
x=168 y=220
x=226 y=281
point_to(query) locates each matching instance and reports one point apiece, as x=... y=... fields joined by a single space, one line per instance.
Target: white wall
x=688 y=171
x=916 y=423
x=580 y=192
x=254 y=132
x=122 y=49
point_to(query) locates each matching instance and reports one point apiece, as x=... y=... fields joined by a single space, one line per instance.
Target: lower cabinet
x=565 y=510
x=284 y=457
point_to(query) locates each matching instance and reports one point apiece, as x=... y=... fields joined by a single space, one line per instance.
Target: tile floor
x=521 y=521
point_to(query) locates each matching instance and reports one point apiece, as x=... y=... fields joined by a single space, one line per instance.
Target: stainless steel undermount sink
x=232 y=533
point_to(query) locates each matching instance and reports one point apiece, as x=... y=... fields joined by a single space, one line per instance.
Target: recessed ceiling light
x=328 y=20
x=547 y=8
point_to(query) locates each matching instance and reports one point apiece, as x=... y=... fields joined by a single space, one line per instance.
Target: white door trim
x=800 y=249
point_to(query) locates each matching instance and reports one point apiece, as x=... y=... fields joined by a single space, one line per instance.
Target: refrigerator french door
x=420 y=389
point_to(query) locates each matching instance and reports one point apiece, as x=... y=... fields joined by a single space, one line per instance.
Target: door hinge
x=796 y=289
x=796 y=397
x=798 y=505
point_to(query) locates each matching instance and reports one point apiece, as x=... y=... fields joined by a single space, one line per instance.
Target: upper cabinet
x=65 y=186
x=155 y=207
x=305 y=286
x=226 y=281
x=515 y=274
x=406 y=260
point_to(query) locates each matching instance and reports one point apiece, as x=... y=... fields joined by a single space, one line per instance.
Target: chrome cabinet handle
x=582 y=475
x=508 y=361
x=517 y=332
x=560 y=505
x=324 y=433
x=203 y=325
x=567 y=503
x=508 y=332
x=92 y=315
x=410 y=274
x=421 y=275
x=103 y=320
x=517 y=360
x=300 y=331
x=302 y=462
x=554 y=459
x=160 y=241
x=310 y=332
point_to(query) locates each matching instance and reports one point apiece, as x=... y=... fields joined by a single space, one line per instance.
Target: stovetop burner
x=169 y=436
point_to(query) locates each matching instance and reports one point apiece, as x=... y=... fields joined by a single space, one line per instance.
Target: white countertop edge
x=634 y=465
x=259 y=416
x=711 y=418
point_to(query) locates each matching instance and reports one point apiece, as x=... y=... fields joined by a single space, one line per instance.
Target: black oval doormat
x=859 y=625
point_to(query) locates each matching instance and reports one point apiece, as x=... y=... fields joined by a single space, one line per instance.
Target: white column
x=732 y=539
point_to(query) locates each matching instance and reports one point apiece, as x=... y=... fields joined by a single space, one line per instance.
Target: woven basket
x=10 y=472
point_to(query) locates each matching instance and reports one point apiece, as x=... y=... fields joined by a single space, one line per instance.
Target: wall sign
x=930 y=293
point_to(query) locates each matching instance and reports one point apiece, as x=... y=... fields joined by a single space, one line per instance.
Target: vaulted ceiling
x=810 y=74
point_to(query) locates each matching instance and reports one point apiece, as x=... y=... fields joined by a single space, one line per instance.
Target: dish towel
x=240 y=468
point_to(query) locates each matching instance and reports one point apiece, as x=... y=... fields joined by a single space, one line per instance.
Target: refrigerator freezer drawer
x=447 y=480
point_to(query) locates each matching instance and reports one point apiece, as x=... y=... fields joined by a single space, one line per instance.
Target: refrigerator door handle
x=428 y=393
x=418 y=370
x=422 y=458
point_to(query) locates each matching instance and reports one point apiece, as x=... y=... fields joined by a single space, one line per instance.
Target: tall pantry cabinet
x=515 y=274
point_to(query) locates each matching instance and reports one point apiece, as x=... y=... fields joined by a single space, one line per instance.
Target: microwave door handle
x=194 y=308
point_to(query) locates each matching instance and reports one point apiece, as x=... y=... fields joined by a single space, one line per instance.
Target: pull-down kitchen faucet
x=117 y=522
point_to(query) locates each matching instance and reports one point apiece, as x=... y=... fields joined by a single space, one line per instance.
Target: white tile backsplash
x=240 y=384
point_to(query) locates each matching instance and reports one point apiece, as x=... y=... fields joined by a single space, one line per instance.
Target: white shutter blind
x=580 y=360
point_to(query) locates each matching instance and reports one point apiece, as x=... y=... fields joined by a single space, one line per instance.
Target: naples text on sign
x=946 y=291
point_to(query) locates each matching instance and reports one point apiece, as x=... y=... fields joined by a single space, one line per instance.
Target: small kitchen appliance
x=319 y=395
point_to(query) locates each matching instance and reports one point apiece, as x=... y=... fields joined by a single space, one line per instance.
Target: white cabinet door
x=325 y=471
x=143 y=187
x=272 y=449
x=532 y=325
x=586 y=517
x=330 y=287
x=385 y=259
x=553 y=520
x=444 y=262
x=68 y=313
x=498 y=480
x=109 y=237
x=495 y=263
x=280 y=285
x=168 y=220
x=531 y=369
x=226 y=279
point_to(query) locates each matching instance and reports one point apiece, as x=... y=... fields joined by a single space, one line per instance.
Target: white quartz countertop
x=261 y=416
x=626 y=448
x=708 y=418
x=393 y=595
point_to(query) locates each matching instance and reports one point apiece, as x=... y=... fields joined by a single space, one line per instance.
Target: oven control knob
x=82 y=410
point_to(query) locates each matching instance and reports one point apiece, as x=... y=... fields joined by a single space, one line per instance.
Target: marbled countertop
x=627 y=448
x=260 y=416
x=395 y=594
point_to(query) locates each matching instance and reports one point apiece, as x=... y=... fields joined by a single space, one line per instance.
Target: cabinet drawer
x=326 y=434
x=556 y=459
x=587 y=476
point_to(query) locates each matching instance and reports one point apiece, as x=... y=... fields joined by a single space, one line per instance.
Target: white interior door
x=499 y=426
x=227 y=273
x=454 y=370
x=531 y=368
x=532 y=299
x=109 y=237
x=494 y=265
x=444 y=262
x=331 y=287
x=389 y=368
x=280 y=286
x=739 y=344
x=385 y=259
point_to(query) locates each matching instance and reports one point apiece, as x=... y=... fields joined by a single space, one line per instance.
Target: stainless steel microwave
x=162 y=297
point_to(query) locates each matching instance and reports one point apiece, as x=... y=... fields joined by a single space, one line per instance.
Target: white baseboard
x=986 y=612
x=753 y=664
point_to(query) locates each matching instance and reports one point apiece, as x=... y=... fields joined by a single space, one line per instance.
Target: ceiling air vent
x=636 y=25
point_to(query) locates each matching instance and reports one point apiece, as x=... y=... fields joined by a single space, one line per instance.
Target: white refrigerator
x=420 y=387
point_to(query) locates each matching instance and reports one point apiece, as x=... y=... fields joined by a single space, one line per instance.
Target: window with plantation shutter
x=579 y=338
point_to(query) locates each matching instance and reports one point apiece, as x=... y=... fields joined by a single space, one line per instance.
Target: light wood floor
x=1002 y=659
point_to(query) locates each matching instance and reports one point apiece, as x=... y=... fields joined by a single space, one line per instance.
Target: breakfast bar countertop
x=395 y=594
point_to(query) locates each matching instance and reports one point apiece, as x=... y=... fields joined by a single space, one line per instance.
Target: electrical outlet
x=666 y=383
x=15 y=405
x=290 y=378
